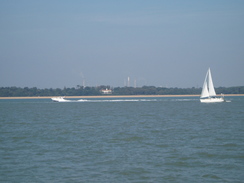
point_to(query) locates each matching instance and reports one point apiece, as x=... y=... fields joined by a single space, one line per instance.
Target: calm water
x=133 y=140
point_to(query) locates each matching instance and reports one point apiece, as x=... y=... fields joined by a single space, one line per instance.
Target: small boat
x=59 y=99
x=208 y=94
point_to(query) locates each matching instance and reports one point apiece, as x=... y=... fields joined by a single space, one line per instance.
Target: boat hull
x=59 y=99
x=212 y=100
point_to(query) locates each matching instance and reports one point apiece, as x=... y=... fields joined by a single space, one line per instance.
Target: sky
x=163 y=43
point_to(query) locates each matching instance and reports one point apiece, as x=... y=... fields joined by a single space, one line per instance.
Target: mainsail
x=208 y=87
x=210 y=84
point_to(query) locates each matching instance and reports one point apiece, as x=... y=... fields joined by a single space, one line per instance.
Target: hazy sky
x=58 y=43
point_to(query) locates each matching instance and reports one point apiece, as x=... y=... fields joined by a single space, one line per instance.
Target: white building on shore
x=106 y=91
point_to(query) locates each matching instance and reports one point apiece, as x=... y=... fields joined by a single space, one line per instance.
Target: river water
x=122 y=140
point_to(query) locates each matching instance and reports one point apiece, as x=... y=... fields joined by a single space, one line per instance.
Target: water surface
x=122 y=140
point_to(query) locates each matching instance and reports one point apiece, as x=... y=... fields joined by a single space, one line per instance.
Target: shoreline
x=116 y=96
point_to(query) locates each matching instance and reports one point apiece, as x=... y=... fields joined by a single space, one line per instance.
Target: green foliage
x=92 y=91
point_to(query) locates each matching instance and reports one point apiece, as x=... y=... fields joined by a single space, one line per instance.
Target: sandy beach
x=113 y=96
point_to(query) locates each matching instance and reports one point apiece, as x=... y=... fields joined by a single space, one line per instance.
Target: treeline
x=92 y=91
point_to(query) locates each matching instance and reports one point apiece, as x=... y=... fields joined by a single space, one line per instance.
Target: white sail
x=205 y=92
x=210 y=84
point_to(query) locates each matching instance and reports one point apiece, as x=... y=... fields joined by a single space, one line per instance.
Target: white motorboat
x=59 y=99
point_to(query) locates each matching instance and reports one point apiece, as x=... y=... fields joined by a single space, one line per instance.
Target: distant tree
x=83 y=91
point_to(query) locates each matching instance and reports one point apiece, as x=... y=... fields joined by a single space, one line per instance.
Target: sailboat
x=208 y=94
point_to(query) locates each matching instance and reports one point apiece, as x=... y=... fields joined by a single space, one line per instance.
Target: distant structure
x=83 y=80
x=106 y=91
x=128 y=84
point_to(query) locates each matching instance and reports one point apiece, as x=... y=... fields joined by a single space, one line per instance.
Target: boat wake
x=184 y=100
x=62 y=99
x=124 y=100
x=103 y=100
